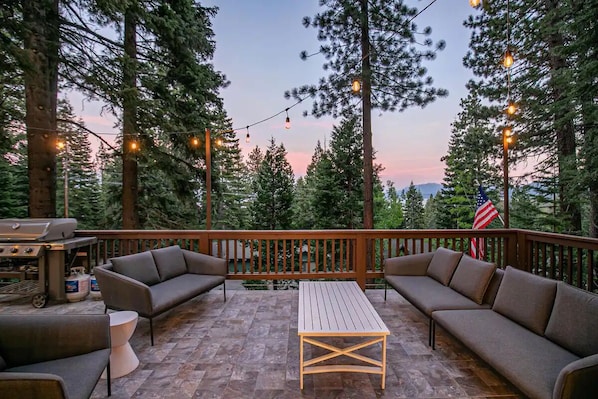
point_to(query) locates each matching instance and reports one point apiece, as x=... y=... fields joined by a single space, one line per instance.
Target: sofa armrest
x=408 y=265
x=34 y=338
x=122 y=292
x=32 y=385
x=578 y=380
x=198 y=263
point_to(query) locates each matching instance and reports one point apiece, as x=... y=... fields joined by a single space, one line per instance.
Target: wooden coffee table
x=339 y=309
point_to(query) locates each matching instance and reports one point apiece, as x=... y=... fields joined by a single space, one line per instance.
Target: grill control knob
x=28 y=250
x=1 y=250
x=14 y=250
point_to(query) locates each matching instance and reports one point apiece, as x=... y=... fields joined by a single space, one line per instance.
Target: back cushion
x=573 y=323
x=140 y=267
x=169 y=262
x=472 y=278
x=526 y=299
x=443 y=265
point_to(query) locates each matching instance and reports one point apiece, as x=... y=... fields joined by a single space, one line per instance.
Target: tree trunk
x=565 y=131
x=130 y=186
x=366 y=75
x=41 y=44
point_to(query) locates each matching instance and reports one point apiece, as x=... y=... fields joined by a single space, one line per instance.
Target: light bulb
x=508 y=60
x=60 y=145
x=356 y=85
x=247 y=136
x=219 y=142
x=287 y=123
x=134 y=146
x=195 y=142
x=511 y=108
x=474 y=3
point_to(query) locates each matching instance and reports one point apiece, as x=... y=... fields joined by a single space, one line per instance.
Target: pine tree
x=470 y=162
x=376 y=41
x=413 y=208
x=391 y=216
x=272 y=207
x=82 y=184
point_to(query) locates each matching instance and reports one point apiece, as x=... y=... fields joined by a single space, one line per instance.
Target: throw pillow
x=169 y=262
x=526 y=299
x=140 y=267
x=573 y=323
x=443 y=265
x=472 y=278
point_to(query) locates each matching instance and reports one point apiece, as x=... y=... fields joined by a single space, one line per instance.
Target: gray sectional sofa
x=53 y=356
x=542 y=335
x=153 y=282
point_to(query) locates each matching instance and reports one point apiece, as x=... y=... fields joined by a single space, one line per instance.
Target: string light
x=195 y=142
x=247 y=136
x=287 y=122
x=508 y=60
x=511 y=108
x=60 y=145
x=474 y=3
x=134 y=145
x=356 y=85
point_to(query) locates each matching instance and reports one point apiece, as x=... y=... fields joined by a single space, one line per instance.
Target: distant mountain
x=426 y=189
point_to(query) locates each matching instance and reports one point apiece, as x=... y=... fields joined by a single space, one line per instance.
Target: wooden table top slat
x=336 y=308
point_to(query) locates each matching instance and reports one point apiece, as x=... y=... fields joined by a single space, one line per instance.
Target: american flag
x=485 y=213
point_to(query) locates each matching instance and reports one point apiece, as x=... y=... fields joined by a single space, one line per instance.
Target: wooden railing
x=344 y=254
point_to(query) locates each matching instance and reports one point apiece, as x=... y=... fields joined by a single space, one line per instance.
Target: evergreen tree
x=337 y=198
x=539 y=82
x=470 y=161
x=375 y=40
x=391 y=216
x=272 y=207
x=77 y=170
x=413 y=208
x=430 y=213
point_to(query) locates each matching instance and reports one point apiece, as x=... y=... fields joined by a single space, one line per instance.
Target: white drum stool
x=122 y=358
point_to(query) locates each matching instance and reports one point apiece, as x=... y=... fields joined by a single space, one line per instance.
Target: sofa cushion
x=180 y=289
x=443 y=265
x=529 y=361
x=169 y=262
x=79 y=373
x=140 y=267
x=573 y=323
x=526 y=299
x=471 y=278
x=428 y=295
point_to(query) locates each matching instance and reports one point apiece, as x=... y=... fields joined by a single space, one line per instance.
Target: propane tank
x=77 y=285
x=94 y=289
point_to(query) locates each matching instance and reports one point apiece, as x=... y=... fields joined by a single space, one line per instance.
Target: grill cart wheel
x=39 y=301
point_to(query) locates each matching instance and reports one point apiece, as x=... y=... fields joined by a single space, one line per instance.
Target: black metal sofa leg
x=385 y=287
x=224 y=289
x=151 y=331
x=432 y=334
x=108 y=381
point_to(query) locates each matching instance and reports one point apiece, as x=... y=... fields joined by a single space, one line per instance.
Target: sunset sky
x=257 y=48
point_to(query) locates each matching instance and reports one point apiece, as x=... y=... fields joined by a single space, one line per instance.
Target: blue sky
x=257 y=47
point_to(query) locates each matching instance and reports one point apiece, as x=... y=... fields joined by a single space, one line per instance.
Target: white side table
x=122 y=358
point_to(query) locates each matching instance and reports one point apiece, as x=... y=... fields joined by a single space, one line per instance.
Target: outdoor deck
x=247 y=347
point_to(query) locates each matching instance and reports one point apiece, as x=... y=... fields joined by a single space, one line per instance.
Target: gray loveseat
x=53 y=356
x=153 y=282
x=542 y=335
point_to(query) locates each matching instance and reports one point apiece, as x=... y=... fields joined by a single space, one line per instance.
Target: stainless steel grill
x=42 y=248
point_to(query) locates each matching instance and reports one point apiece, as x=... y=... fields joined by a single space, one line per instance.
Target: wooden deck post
x=360 y=266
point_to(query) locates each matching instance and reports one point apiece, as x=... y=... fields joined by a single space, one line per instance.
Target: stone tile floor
x=247 y=347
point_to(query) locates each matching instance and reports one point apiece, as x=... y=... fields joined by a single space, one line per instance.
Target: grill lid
x=14 y=230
